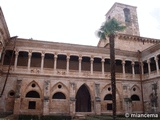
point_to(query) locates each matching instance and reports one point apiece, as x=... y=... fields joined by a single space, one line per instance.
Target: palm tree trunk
x=113 y=79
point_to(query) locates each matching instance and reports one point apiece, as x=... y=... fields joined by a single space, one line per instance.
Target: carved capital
x=55 y=55
x=80 y=57
x=123 y=62
x=42 y=54
x=16 y=52
x=102 y=60
x=133 y=63
x=92 y=58
x=148 y=61
x=30 y=53
x=156 y=58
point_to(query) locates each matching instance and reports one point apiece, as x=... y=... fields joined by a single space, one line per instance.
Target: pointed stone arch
x=59 y=98
x=136 y=98
x=83 y=99
x=87 y=86
x=135 y=90
x=33 y=85
x=106 y=90
x=106 y=97
x=60 y=87
x=135 y=86
x=32 y=98
x=56 y=85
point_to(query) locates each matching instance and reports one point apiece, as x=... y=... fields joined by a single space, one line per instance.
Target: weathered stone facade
x=48 y=78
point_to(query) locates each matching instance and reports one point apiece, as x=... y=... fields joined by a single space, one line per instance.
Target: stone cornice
x=137 y=38
x=76 y=48
x=151 y=50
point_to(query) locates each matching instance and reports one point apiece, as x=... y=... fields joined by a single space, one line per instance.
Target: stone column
x=123 y=67
x=42 y=61
x=92 y=59
x=133 y=71
x=3 y=58
x=80 y=64
x=157 y=65
x=103 y=60
x=55 y=62
x=17 y=101
x=97 y=108
x=46 y=97
x=141 y=65
x=29 y=59
x=72 y=98
x=149 y=67
x=16 y=59
x=67 y=67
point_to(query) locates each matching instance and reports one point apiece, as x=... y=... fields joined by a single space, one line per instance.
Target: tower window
x=127 y=15
x=109 y=17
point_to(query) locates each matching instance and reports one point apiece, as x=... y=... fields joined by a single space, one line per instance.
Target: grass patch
x=3 y=115
x=35 y=117
x=119 y=117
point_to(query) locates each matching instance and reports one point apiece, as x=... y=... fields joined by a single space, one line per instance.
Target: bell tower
x=127 y=15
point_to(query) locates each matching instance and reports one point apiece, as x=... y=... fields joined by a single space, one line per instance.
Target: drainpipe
x=140 y=75
x=15 y=37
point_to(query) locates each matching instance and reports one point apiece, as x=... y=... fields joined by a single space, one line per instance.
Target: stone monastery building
x=47 y=78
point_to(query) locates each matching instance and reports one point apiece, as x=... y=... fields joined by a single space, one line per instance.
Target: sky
x=72 y=21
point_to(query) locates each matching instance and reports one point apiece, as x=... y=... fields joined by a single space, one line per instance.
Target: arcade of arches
x=70 y=63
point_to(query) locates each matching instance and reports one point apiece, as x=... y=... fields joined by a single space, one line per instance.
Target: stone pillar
x=16 y=59
x=149 y=67
x=55 y=62
x=46 y=97
x=29 y=59
x=123 y=67
x=133 y=70
x=72 y=99
x=42 y=61
x=92 y=59
x=17 y=101
x=80 y=64
x=157 y=65
x=141 y=64
x=103 y=60
x=97 y=108
x=67 y=67
x=3 y=58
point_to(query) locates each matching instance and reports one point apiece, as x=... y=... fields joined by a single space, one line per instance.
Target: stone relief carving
x=72 y=85
x=61 y=72
x=35 y=71
x=46 y=86
x=153 y=97
x=18 y=86
x=97 y=92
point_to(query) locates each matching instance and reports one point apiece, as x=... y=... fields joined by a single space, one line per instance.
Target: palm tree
x=109 y=28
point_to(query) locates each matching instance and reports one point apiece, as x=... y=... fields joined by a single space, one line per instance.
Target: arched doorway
x=83 y=100
x=136 y=103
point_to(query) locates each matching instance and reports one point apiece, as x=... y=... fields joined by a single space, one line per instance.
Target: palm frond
x=109 y=27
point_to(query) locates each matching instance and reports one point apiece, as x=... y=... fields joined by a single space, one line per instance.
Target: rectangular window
x=109 y=106
x=32 y=105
